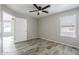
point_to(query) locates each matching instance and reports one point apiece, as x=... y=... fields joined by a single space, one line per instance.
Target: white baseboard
x=52 y=41
x=24 y=40
x=61 y=43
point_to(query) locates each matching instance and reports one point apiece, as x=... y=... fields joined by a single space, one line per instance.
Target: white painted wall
x=20 y=29
x=49 y=28
x=32 y=31
x=0 y=29
x=0 y=21
x=1 y=35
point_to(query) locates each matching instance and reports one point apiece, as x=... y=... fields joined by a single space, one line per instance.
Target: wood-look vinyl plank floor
x=38 y=47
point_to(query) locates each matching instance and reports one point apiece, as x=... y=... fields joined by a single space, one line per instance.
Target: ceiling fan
x=40 y=9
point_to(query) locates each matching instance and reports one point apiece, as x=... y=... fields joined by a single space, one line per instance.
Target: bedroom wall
x=32 y=31
x=31 y=22
x=49 y=28
x=0 y=30
x=0 y=21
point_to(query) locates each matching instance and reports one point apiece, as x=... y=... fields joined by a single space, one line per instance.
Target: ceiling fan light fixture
x=40 y=11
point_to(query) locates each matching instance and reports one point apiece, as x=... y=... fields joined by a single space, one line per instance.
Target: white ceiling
x=55 y=8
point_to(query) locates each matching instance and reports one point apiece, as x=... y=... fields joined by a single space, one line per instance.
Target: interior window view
x=39 y=29
x=68 y=26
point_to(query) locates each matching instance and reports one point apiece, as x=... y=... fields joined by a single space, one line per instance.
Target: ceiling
x=55 y=8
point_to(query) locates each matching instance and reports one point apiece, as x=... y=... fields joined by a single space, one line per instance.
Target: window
x=7 y=22
x=68 y=26
x=7 y=26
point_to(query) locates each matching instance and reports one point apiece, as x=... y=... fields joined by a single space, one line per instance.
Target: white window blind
x=68 y=26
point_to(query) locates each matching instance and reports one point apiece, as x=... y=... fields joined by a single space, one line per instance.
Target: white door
x=20 y=29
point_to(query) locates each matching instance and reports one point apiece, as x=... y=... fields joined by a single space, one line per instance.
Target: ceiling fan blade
x=45 y=7
x=36 y=6
x=38 y=13
x=45 y=11
x=33 y=11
